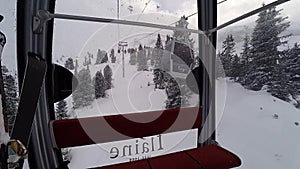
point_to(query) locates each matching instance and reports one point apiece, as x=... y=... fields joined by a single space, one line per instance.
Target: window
x=126 y=69
x=261 y=109
x=8 y=61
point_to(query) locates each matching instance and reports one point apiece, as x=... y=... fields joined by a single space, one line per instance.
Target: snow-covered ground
x=250 y=129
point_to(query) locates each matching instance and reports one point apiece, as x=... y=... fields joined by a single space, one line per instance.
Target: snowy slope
x=249 y=129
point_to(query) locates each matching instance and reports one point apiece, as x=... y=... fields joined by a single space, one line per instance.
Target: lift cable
x=222 y=2
x=138 y=18
x=43 y=16
x=168 y=25
x=143 y=10
x=265 y=7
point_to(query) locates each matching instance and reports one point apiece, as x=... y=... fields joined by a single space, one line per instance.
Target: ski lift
x=177 y=59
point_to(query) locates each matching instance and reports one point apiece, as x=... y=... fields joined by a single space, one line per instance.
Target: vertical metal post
x=123 y=45
x=207 y=43
x=118 y=16
x=42 y=155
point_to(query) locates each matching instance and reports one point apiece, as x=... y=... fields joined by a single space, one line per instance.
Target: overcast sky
x=78 y=32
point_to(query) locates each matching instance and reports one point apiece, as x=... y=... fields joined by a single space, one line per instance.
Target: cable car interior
x=145 y=99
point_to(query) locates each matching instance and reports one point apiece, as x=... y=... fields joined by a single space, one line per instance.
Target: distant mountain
x=239 y=33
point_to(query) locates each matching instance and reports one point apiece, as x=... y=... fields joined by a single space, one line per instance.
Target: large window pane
x=260 y=115
x=126 y=69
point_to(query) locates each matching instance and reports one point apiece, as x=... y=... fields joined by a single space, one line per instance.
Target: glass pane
x=127 y=69
x=259 y=117
x=8 y=64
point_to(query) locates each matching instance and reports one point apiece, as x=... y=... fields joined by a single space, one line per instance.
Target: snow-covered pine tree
x=227 y=54
x=183 y=35
x=69 y=64
x=99 y=85
x=158 y=79
x=279 y=86
x=105 y=58
x=157 y=52
x=86 y=61
x=292 y=65
x=265 y=40
x=168 y=38
x=219 y=67
x=235 y=69
x=76 y=68
x=173 y=94
x=100 y=56
x=107 y=71
x=84 y=94
x=245 y=55
x=61 y=112
x=112 y=56
x=141 y=59
x=11 y=96
x=133 y=54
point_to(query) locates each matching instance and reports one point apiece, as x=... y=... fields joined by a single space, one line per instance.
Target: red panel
x=174 y=161
x=215 y=157
x=85 y=131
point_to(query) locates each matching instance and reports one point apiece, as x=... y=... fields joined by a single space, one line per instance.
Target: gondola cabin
x=178 y=58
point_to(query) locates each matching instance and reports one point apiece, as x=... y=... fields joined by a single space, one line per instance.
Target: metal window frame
x=43 y=155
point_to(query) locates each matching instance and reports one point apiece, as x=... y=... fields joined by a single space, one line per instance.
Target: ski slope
x=248 y=128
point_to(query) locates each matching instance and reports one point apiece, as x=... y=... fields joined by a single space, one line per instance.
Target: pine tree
x=227 y=54
x=61 y=113
x=219 y=67
x=108 y=77
x=292 y=63
x=69 y=64
x=173 y=94
x=105 y=58
x=61 y=110
x=158 y=79
x=133 y=54
x=245 y=55
x=112 y=56
x=158 y=52
x=99 y=85
x=141 y=59
x=265 y=40
x=235 y=69
x=279 y=86
x=168 y=38
x=183 y=35
x=84 y=94
x=76 y=67
x=11 y=96
x=100 y=55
